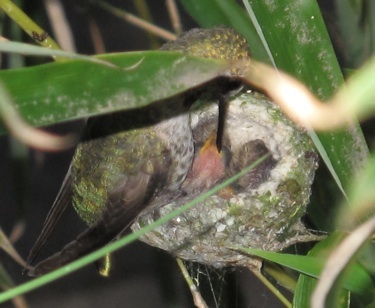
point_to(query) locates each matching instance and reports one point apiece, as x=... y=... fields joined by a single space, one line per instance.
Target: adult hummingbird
x=131 y=161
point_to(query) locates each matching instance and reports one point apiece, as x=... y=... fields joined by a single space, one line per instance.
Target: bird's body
x=132 y=161
x=118 y=171
x=134 y=166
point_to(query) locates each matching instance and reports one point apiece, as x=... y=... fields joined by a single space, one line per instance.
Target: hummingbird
x=133 y=161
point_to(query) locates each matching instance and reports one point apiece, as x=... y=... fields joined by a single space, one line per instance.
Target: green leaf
x=357 y=277
x=7 y=283
x=297 y=37
x=306 y=284
x=56 y=92
x=361 y=195
x=359 y=96
x=357 y=280
x=28 y=49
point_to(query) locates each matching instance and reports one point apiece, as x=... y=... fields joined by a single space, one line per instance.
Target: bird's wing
x=123 y=205
x=60 y=204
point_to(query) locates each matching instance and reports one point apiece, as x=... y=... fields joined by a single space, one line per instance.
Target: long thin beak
x=221 y=122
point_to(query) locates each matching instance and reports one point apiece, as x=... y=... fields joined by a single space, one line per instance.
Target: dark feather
x=62 y=201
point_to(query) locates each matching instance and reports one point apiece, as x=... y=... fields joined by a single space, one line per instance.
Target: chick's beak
x=210 y=146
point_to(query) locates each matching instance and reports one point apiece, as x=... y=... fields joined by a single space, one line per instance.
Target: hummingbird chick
x=208 y=167
x=127 y=164
x=247 y=155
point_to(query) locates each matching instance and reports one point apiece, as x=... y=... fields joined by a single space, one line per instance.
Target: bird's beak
x=210 y=144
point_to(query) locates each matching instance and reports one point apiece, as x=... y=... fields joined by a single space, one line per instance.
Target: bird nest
x=263 y=209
